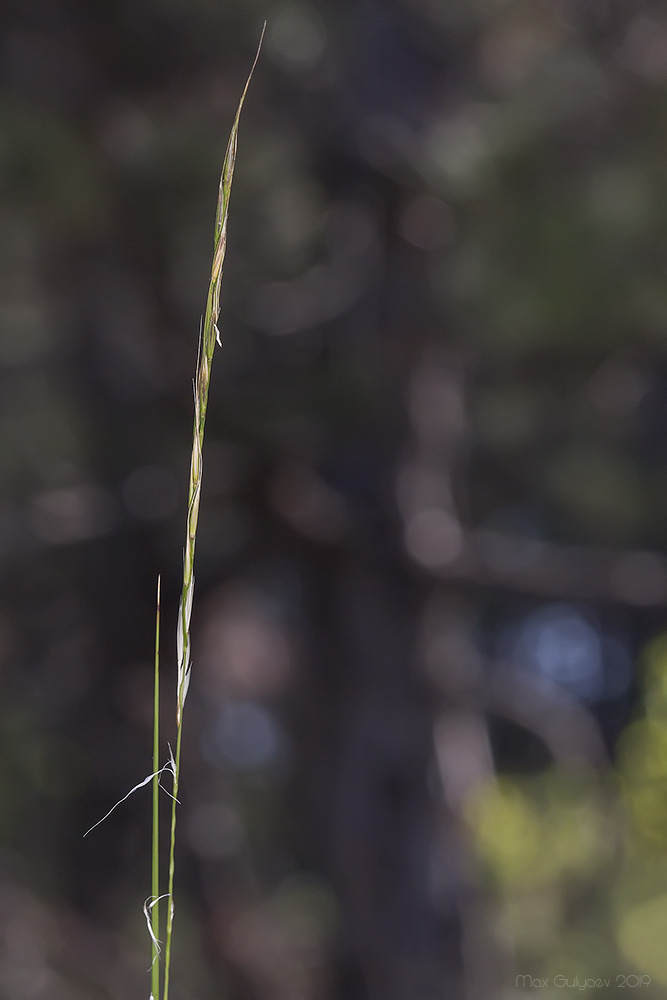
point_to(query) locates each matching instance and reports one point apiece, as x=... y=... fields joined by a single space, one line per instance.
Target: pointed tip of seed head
x=247 y=83
x=252 y=68
x=230 y=156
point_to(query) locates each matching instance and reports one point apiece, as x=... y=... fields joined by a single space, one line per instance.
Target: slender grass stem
x=207 y=341
x=172 y=847
x=155 y=847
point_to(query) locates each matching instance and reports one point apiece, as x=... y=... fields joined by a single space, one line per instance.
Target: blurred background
x=425 y=750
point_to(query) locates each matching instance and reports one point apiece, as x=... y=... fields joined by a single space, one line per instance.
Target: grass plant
x=209 y=336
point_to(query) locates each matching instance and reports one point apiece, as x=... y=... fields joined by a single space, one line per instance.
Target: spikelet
x=209 y=336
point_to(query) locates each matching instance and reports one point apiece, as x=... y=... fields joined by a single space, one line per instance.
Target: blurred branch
x=545 y=569
x=438 y=541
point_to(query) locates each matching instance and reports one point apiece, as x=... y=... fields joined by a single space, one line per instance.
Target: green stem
x=155 y=865
x=172 y=849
